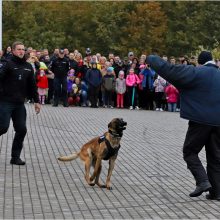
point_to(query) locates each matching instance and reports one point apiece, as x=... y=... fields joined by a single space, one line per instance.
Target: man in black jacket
x=16 y=83
x=60 y=67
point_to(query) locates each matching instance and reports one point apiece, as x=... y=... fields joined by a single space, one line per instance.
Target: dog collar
x=114 y=134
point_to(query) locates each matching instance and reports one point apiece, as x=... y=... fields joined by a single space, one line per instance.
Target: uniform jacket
x=17 y=81
x=199 y=89
x=60 y=67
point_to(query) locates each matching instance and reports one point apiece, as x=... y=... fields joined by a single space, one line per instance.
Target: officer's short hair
x=16 y=43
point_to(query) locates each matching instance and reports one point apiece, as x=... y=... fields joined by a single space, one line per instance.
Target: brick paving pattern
x=150 y=179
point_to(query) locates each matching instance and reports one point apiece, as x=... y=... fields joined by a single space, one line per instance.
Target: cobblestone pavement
x=150 y=179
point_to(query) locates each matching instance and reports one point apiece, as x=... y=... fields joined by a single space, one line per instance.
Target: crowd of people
x=130 y=82
x=98 y=81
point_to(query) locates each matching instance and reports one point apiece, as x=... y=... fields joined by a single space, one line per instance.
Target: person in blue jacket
x=94 y=80
x=199 y=89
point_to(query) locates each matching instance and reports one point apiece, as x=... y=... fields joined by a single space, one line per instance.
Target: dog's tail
x=70 y=157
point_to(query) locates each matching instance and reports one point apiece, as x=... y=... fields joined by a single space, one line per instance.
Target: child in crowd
x=132 y=81
x=108 y=82
x=120 y=89
x=159 y=85
x=172 y=97
x=82 y=87
x=74 y=96
x=42 y=84
x=70 y=80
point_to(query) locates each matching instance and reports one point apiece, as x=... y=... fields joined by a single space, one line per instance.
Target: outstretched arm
x=180 y=76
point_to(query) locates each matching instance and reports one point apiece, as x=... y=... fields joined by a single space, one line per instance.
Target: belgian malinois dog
x=100 y=148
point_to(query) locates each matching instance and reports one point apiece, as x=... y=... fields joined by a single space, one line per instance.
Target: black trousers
x=50 y=90
x=17 y=113
x=198 y=136
x=60 y=85
x=158 y=99
x=93 y=95
x=108 y=97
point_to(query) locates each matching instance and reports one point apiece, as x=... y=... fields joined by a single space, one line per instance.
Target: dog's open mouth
x=122 y=126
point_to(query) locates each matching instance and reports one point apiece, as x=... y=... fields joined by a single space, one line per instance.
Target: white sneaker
x=161 y=109
x=157 y=109
x=137 y=108
x=131 y=107
x=177 y=110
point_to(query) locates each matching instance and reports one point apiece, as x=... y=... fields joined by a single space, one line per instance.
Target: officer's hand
x=37 y=107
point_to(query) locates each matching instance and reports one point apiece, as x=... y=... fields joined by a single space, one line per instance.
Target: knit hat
x=110 y=69
x=204 y=57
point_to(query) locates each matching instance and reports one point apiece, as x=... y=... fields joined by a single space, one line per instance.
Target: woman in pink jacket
x=132 y=81
x=172 y=97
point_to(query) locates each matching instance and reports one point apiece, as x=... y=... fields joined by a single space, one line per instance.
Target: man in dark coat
x=17 y=81
x=200 y=103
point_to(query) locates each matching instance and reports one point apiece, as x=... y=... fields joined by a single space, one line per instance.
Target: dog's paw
x=109 y=187
x=92 y=184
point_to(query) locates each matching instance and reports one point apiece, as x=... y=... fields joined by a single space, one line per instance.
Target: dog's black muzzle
x=121 y=125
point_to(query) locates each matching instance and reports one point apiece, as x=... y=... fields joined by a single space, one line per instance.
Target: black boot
x=212 y=197
x=200 y=188
x=17 y=161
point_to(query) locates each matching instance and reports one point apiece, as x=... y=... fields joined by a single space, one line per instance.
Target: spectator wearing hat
x=108 y=83
x=94 y=80
x=60 y=67
x=200 y=104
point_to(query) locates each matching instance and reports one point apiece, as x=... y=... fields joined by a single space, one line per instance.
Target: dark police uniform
x=60 y=68
x=17 y=81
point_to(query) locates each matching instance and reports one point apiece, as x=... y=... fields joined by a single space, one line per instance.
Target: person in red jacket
x=172 y=97
x=42 y=85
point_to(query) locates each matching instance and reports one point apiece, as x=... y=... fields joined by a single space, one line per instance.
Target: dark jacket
x=199 y=89
x=94 y=77
x=108 y=82
x=60 y=67
x=17 y=81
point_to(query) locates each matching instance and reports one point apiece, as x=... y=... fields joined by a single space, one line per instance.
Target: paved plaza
x=150 y=179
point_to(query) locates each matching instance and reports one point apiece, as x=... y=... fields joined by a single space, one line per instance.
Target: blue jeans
x=84 y=97
x=171 y=107
x=16 y=112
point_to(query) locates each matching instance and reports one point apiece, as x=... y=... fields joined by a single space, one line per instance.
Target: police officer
x=16 y=83
x=60 y=67
x=200 y=103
